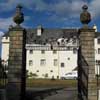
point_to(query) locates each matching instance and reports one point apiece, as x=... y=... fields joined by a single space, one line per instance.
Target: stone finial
x=85 y=16
x=19 y=17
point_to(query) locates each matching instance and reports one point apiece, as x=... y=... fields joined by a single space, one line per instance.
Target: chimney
x=39 y=30
x=95 y=27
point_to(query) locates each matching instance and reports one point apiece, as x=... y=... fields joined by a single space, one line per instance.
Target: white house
x=48 y=63
x=5 y=50
x=51 y=53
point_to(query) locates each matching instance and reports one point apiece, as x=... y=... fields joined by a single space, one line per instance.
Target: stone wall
x=16 y=64
x=87 y=86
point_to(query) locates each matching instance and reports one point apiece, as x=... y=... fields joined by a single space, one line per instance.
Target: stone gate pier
x=87 y=83
x=17 y=59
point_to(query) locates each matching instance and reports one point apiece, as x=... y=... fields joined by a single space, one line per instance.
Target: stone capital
x=86 y=30
x=16 y=28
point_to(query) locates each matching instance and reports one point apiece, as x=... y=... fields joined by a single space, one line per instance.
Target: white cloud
x=5 y=22
x=94 y=7
x=1 y=33
x=61 y=10
x=61 y=7
x=68 y=9
x=30 y=4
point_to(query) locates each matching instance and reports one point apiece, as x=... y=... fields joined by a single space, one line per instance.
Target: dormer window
x=39 y=31
x=74 y=40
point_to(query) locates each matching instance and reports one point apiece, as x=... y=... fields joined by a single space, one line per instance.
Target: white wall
x=97 y=55
x=62 y=56
x=36 y=57
x=70 y=62
x=67 y=57
x=5 y=49
x=49 y=56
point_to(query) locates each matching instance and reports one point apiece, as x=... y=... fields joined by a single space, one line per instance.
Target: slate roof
x=49 y=35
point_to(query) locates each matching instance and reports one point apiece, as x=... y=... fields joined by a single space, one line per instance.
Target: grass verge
x=50 y=83
x=46 y=83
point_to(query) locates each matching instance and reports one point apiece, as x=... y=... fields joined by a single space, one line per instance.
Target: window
x=31 y=51
x=74 y=50
x=68 y=58
x=97 y=61
x=98 y=40
x=30 y=62
x=57 y=77
x=98 y=50
x=43 y=52
x=43 y=62
x=46 y=75
x=62 y=64
x=37 y=71
x=55 y=62
x=51 y=71
x=97 y=68
x=68 y=48
x=54 y=51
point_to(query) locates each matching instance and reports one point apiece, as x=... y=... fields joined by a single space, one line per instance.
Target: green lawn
x=46 y=83
x=50 y=83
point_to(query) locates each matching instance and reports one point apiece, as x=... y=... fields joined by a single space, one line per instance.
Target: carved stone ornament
x=85 y=16
x=19 y=17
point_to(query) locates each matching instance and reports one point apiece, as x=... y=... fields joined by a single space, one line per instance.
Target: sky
x=48 y=13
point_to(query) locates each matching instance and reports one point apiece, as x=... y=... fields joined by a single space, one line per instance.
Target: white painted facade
x=5 y=50
x=97 y=55
x=45 y=62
